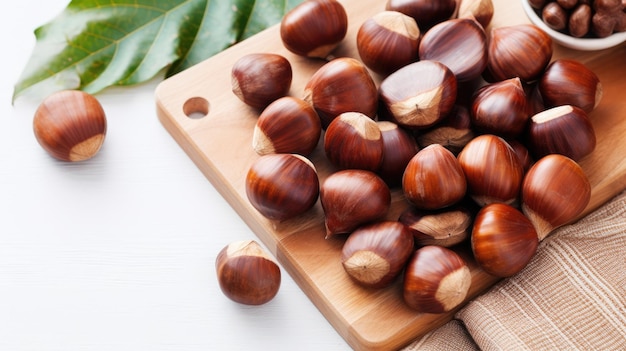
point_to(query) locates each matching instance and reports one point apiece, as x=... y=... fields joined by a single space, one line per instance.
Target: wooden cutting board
x=220 y=145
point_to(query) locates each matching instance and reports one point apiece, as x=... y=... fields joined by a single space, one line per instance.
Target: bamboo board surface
x=220 y=145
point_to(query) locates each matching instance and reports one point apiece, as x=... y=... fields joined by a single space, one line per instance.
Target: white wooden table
x=118 y=253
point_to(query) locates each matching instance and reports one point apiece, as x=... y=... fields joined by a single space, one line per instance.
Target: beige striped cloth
x=571 y=296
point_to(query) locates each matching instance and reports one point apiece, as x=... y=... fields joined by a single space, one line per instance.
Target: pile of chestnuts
x=483 y=146
x=583 y=18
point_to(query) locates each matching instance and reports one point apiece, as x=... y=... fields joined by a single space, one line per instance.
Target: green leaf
x=95 y=44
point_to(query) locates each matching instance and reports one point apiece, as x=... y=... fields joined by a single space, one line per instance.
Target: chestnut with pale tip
x=282 y=186
x=434 y=179
x=501 y=108
x=375 y=254
x=258 y=79
x=419 y=103
x=399 y=146
x=388 y=41
x=288 y=125
x=564 y=130
x=351 y=198
x=521 y=50
x=353 y=140
x=314 y=28
x=570 y=82
x=555 y=191
x=436 y=280
x=247 y=274
x=446 y=40
x=446 y=227
x=480 y=10
x=341 y=85
x=70 y=125
x=426 y=13
x=493 y=171
x=503 y=240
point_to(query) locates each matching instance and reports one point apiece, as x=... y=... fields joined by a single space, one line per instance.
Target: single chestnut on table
x=282 y=186
x=354 y=141
x=555 y=191
x=445 y=227
x=375 y=254
x=503 y=240
x=341 y=85
x=70 y=125
x=388 y=41
x=258 y=79
x=570 y=82
x=399 y=146
x=247 y=274
x=288 y=125
x=351 y=198
x=314 y=28
x=436 y=280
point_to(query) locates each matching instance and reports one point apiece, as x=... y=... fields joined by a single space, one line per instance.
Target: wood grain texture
x=220 y=145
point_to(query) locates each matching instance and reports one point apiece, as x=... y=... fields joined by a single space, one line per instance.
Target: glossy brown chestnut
x=247 y=274
x=70 y=125
x=501 y=108
x=399 y=146
x=433 y=179
x=521 y=50
x=480 y=10
x=446 y=40
x=260 y=78
x=436 y=280
x=353 y=140
x=447 y=227
x=314 y=28
x=555 y=191
x=282 y=186
x=570 y=82
x=375 y=254
x=564 y=130
x=341 y=85
x=419 y=103
x=388 y=41
x=426 y=13
x=289 y=126
x=492 y=169
x=453 y=132
x=351 y=198
x=503 y=240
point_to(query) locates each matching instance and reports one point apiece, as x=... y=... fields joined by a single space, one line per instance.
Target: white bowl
x=586 y=44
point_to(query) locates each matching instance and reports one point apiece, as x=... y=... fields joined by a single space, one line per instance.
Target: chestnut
x=555 y=16
x=260 y=78
x=426 y=13
x=399 y=146
x=353 y=140
x=388 y=41
x=288 y=125
x=492 y=169
x=282 y=186
x=564 y=130
x=436 y=280
x=246 y=273
x=503 y=240
x=351 y=198
x=314 y=28
x=341 y=85
x=419 y=103
x=554 y=192
x=446 y=40
x=375 y=254
x=570 y=82
x=70 y=125
x=521 y=50
x=480 y=10
x=446 y=227
x=501 y=108
x=453 y=132
x=433 y=179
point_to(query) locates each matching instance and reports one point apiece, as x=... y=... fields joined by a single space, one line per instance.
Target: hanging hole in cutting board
x=196 y=107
